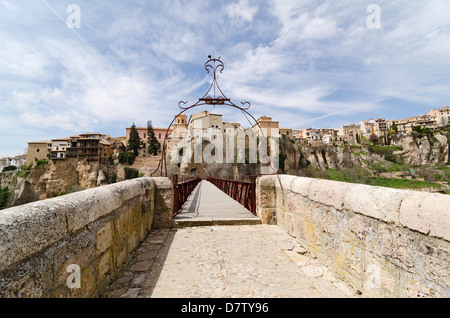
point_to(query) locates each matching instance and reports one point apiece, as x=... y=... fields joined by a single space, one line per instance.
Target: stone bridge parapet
x=74 y=245
x=383 y=242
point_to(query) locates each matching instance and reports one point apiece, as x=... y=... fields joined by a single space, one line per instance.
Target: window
x=160 y=136
x=145 y=135
x=37 y=150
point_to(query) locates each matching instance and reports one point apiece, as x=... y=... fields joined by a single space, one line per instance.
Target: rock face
x=57 y=178
x=416 y=151
x=424 y=150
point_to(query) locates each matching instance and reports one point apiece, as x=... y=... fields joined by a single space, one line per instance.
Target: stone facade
x=38 y=150
x=42 y=244
x=383 y=242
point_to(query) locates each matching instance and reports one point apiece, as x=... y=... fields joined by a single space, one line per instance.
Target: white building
x=442 y=116
x=59 y=148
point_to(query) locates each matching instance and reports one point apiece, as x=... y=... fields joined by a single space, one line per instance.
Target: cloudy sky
x=306 y=63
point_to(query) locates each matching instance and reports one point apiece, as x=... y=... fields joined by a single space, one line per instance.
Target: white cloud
x=241 y=11
x=297 y=61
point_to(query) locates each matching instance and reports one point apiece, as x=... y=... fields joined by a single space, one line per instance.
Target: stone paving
x=245 y=261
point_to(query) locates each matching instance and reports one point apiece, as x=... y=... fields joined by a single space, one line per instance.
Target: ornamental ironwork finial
x=214 y=95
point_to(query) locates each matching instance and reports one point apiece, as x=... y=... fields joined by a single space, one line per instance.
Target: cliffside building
x=267 y=127
x=38 y=150
x=441 y=116
x=59 y=149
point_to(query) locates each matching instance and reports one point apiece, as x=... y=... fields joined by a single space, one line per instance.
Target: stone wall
x=47 y=245
x=383 y=242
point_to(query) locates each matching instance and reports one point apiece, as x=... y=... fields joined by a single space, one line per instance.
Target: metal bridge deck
x=208 y=205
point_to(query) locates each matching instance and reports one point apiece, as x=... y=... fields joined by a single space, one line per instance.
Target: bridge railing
x=242 y=192
x=182 y=191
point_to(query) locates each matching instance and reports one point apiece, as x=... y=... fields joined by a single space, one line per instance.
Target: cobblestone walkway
x=247 y=261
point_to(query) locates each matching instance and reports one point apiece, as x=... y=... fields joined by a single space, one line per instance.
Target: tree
x=394 y=128
x=134 y=142
x=5 y=194
x=154 y=147
x=373 y=138
x=126 y=157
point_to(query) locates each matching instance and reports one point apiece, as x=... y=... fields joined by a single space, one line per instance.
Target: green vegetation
x=126 y=158
x=9 y=168
x=394 y=128
x=443 y=129
x=388 y=166
x=282 y=158
x=352 y=175
x=402 y=183
x=134 y=142
x=363 y=176
x=387 y=152
x=422 y=130
x=70 y=189
x=131 y=173
x=24 y=171
x=40 y=163
x=5 y=194
x=154 y=147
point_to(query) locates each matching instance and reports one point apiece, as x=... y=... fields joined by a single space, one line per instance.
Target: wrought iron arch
x=217 y=98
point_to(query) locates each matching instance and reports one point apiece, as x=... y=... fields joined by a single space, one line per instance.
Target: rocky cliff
x=409 y=149
x=54 y=179
x=423 y=150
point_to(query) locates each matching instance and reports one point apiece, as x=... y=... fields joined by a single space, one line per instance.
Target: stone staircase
x=146 y=164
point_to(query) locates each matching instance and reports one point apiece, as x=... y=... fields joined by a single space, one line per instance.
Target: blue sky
x=306 y=63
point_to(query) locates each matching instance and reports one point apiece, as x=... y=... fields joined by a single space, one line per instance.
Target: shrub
x=9 y=168
x=74 y=188
x=24 y=172
x=282 y=159
x=40 y=163
x=131 y=173
x=4 y=197
x=387 y=153
x=126 y=158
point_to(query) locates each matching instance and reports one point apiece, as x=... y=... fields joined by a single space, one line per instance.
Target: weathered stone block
x=266 y=182
x=266 y=198
x=104 y=265
x=88 y=283
x=104 y=237
x=284 y=182
x=301 y=185
x=328 y=192
x=377 y=202
x=267 y=215
x=163 y=203
x=295 y=203
x=120 y=257
x=27 y=229
x=122 y=224
x=427 y=213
